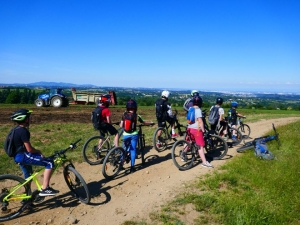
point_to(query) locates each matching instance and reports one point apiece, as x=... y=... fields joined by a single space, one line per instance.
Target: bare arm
x=31 y=149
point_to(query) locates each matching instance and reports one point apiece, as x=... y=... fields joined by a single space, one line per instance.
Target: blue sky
x=205 y=45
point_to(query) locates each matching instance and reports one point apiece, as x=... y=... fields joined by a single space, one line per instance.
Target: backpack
x=130 y=120
x=213 y=116
x=160 y=109
x=231 y=114
x=190 y=117
x=96 y=118
x=186 y=104
x=262 y=151
x=9 y=146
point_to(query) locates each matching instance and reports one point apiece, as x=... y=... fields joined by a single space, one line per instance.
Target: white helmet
x=194 y=93
x=165 y=94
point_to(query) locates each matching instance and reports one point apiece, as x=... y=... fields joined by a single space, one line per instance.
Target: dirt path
x=129 y=196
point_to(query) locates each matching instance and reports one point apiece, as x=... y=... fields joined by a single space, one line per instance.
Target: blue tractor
x=53 y=97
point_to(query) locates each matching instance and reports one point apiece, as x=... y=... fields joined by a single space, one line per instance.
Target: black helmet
x=219 y=101
x=197 y=100
x=20 y=115
x=131 y=104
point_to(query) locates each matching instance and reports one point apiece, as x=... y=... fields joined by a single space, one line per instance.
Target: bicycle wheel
x=113 y=162
x=238 y=134
x=246 y=146
x=12 y=206
x=91 y=153
x=76 y=184
x=183 y=163
x=141 y=148
x=160 y=142
x=215 y=146
x=245 y=130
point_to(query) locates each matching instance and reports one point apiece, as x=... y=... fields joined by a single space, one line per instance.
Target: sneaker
x=158 y=145
x=207 y=165
x=174 y=135
x=48 y=191
x=183 y=157
x=132 y=169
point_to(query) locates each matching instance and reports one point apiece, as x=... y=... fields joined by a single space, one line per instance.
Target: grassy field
x=246 y=190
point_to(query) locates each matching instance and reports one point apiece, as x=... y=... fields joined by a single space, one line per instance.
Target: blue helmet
x=234 y=104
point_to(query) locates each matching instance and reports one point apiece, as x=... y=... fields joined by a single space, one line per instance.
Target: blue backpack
x=190 y=117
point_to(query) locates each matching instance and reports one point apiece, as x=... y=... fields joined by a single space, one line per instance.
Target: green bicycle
x=16 y=194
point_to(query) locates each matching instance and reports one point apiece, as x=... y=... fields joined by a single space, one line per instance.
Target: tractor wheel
x=39 y=102
x=56 y=101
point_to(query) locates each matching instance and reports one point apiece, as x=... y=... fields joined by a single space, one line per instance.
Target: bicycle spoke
x=183 y=155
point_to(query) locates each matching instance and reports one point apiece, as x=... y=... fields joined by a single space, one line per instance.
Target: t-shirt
x=104 y=113
x=198 y=113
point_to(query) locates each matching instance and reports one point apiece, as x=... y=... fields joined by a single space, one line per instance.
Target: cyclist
x=196 y=131
x=103 y=102
x=27 y=155
x=232 y=116
x=128 y=123
x=221 y=122
x=189 y=102
x=164 y=114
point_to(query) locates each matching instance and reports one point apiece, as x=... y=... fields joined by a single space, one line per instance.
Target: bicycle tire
x=113 y=162
x=215 y=146
x=246 y=146
x=141 y=147
x=160 y=143
x=76 y=184
x=245 y=130
x=177 y=149
x=12 y=209
x=239 y=136
x=90 y=152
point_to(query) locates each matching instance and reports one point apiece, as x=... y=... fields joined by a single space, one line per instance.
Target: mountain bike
x=243 y=128
x=215 y=148
x=16 y=194
x=252 y=144
x=230 y=131
x=93 y=152
x=162 y=141
x=115 y=159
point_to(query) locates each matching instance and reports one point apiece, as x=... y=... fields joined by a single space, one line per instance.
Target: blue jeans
x=133 y=140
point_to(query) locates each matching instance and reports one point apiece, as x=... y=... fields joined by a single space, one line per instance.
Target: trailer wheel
x=56 y=101
x=39 y=102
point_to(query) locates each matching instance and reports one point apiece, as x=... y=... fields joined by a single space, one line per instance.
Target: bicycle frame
x=60 y=159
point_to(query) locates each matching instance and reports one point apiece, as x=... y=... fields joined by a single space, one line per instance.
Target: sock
x=173 y=131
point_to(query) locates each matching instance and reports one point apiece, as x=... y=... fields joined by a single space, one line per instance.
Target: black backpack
x=96 y=118
x=161 y=110
x=9 y=146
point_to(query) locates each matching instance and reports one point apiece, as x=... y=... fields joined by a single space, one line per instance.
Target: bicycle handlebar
x=63 y=151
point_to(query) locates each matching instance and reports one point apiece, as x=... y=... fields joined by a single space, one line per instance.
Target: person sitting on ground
x=26 y=155
x=196 y=131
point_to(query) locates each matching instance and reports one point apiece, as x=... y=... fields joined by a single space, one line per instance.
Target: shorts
x=108 y=128
x=26 y=160
x=197 y=136
x=170 y=120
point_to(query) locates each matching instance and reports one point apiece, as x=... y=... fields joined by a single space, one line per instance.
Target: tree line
x=17 y=96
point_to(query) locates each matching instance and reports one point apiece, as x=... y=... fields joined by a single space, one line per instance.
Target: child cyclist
x=233 y=115
x=26 y=155
x=103 y=102
x=196 y=131
x=128 y=123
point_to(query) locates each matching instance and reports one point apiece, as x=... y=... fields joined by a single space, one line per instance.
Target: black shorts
x=170 y=120
x=107 y=128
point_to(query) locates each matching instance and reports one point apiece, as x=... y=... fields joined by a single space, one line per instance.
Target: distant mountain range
x=50 y=84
